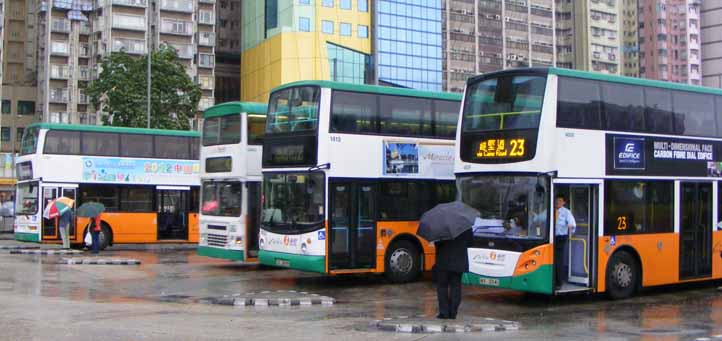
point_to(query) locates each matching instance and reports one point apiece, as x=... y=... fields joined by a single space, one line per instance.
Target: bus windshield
x=293 y=202
x=510 y=206
x=222 y=198
x=27 y=198
x=30 y=141
x=504 y=103
x=293 y=110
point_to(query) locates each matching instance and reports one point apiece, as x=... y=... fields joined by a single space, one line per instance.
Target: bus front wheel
x=403 y=262
x=622 y=275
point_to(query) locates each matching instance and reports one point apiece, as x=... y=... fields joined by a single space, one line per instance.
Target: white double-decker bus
x=347 y=172
x=231 y=180
x=637 y=163
x=147 y=179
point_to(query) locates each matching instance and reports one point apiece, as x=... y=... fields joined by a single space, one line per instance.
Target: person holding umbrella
x=62 y=210
x=449 y=227
x=93 y=211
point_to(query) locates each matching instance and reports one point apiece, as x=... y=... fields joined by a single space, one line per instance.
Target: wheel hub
x=401 y=261
x=623 y=275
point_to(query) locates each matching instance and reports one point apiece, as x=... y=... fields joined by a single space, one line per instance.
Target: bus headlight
x=261 y=243
x=304 y=249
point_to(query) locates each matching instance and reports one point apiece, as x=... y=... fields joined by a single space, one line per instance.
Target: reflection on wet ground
x=185 y=278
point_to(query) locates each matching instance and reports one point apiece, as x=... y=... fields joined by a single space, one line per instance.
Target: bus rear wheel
x=403 y=262
x=622 y=275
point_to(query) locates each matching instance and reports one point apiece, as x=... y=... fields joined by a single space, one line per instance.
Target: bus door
x=583 y=201
x=173 y=205
x=695 y=230
x=253 y=216
x=352 y=243
x=51 y=192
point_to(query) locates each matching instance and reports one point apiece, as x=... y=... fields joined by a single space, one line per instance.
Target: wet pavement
x=165 y=298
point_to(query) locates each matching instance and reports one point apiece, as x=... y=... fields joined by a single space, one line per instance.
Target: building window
x=271 y=14
x=363 y=31
x=304 y=24
x=5 y=134
x=26 y=107
x=304 y=2
x=363 y=5
x=327 y=3
x=19 y=134
x=345 y=4
x=6 y=106
x=347 y=65
x=327 y=26
x=345 y=29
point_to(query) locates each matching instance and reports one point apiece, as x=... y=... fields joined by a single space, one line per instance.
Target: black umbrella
x=446 y=221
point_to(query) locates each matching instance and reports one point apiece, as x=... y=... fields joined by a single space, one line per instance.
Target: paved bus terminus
x=640 y=165
x=231 y=180
x=347 y=171
x=147 y=179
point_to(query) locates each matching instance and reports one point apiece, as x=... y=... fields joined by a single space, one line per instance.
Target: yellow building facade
x=291 y=40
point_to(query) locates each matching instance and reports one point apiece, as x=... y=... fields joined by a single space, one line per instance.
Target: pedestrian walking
x=95 y=234
x=452 y=260
x=64 y=222
x=449 y=226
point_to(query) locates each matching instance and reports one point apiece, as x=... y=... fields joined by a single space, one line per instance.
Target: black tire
x=403 y=262
x=623 y=275
x=105 y=236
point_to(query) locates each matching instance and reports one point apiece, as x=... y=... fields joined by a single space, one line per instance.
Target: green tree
x=121 y=91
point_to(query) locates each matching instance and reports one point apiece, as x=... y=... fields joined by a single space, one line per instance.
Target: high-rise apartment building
x=630 y=38
x=73 y=36
x=488 y=35
x=290 y=40
x=588 y=35
x=711 y=32
x=18 y=65
x=669 y=40
x=408 y=43
x=228 y=51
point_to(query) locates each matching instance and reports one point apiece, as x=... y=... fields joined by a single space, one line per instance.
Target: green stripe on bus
x=220 y=253
x=375 y=89
x=539 y=280
x=27 y=237
x=232 y=108
x=293 y=261
x=111 y=129
x=633 y=81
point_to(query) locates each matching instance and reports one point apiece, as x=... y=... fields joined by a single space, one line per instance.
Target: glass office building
x=409 y=43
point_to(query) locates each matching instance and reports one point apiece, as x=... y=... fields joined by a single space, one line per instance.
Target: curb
x=83 y=261
x=45 y=252
x=405 y=324
x=17 y=247
x=278 y=298
x=153 y=247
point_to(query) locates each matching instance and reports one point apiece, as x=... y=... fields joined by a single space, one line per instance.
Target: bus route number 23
x=517 y=147
x=622 y=223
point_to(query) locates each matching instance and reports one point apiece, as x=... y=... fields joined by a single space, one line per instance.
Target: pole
x=148 y=94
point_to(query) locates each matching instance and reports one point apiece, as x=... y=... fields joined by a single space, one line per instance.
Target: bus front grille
x=216 y=240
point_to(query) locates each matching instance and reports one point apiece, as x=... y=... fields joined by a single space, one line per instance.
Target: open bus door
x=583 y=200
x=49 y=193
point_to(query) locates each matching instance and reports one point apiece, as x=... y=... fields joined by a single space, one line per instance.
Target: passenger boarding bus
x=148 y=180
x=638 y=163
x=231 y=180
x=347 y=171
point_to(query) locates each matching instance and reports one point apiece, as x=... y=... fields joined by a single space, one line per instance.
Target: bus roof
x=231 y=108
x=111 y=129
x=611 y=78
x=385 y=90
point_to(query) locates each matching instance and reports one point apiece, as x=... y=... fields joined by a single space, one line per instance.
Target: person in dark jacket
x=452 y=260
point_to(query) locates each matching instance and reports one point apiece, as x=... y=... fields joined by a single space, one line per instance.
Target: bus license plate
x=489 y=281
x=282 y=262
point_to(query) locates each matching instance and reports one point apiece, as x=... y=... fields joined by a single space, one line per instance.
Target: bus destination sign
x=498 y=146
x=661 y=156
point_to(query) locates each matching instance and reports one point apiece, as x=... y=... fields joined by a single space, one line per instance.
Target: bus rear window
x=504 y=103
x=293 y=110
